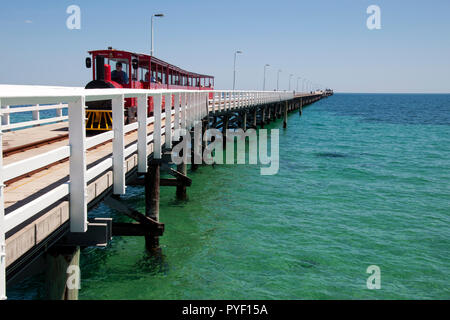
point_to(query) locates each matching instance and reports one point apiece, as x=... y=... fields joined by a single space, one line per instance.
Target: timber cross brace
x=144 y=226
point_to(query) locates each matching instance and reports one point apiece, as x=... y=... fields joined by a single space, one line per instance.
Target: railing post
x=59 y=111
x=142 y=132
x=199 y=105
x=206 y=107
x=187 y=110
x=196 y=107
x=176 y=126
x=118 y=145
x=183 y=110
x=35 y=113
x=214 y=103
x=168 y=121
x=77 y=165
x=2 y=224
x=5 y=117
x=157 y=126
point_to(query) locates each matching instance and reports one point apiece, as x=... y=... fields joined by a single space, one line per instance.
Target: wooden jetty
x=52 y=172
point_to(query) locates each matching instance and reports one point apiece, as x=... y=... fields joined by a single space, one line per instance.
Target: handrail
x=190 y=106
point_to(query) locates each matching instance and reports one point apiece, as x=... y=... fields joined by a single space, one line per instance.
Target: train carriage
x=134 y=71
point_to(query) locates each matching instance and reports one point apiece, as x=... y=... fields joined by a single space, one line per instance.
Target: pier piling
x=62 y=273
x=285 y=115
x=152 y=191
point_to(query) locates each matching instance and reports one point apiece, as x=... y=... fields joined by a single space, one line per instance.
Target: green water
x=363 y=180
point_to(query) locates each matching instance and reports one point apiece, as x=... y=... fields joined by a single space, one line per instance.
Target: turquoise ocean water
x=363 y=180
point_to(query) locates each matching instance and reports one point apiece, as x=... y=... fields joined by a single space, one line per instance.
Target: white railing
x=6 y=112
x=189 y=107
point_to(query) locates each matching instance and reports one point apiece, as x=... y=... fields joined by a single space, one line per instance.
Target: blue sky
x=325 y=41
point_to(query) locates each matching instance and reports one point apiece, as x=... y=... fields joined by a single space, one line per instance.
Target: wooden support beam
x=286 y=106
x=133 y=229
x=98 y=234
x=166 y=182
x=153 y=225
x=181 y=176
x=170 y=182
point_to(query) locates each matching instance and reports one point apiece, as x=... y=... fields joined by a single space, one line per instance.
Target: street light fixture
x=264 y=82
x=159 y=15
x=290 y=77
x=278 y=79
x=234 y=68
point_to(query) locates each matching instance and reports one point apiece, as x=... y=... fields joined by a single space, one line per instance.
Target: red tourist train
x=134 y=71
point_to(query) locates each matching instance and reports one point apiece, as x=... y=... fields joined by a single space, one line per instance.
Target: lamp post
x=290 y=77
x=160 y=15
x=264 y=82
x=298 y=78
x=278 y=79
x=234 y=68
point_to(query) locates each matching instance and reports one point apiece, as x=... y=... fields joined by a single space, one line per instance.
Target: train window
x=124 y=68
x=144 y=75
x=159 y=77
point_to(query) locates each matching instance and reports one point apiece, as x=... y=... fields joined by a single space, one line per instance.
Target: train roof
x=144 y=60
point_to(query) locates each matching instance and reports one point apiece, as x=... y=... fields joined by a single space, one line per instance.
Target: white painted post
x=188 y=110
x=183 y=110
x=176 y=126
x=220 y=101
x=232 y=99
x=168 y=121
x=214 y=103
x=77 y=165
x=157 y=126
x=206 y=107
x=195 y=109
x=118 y=145
x=5 y=117
x=2 y=223
x=142 y=132
x=59 y=111
x=197 y=106
x=35 y=113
